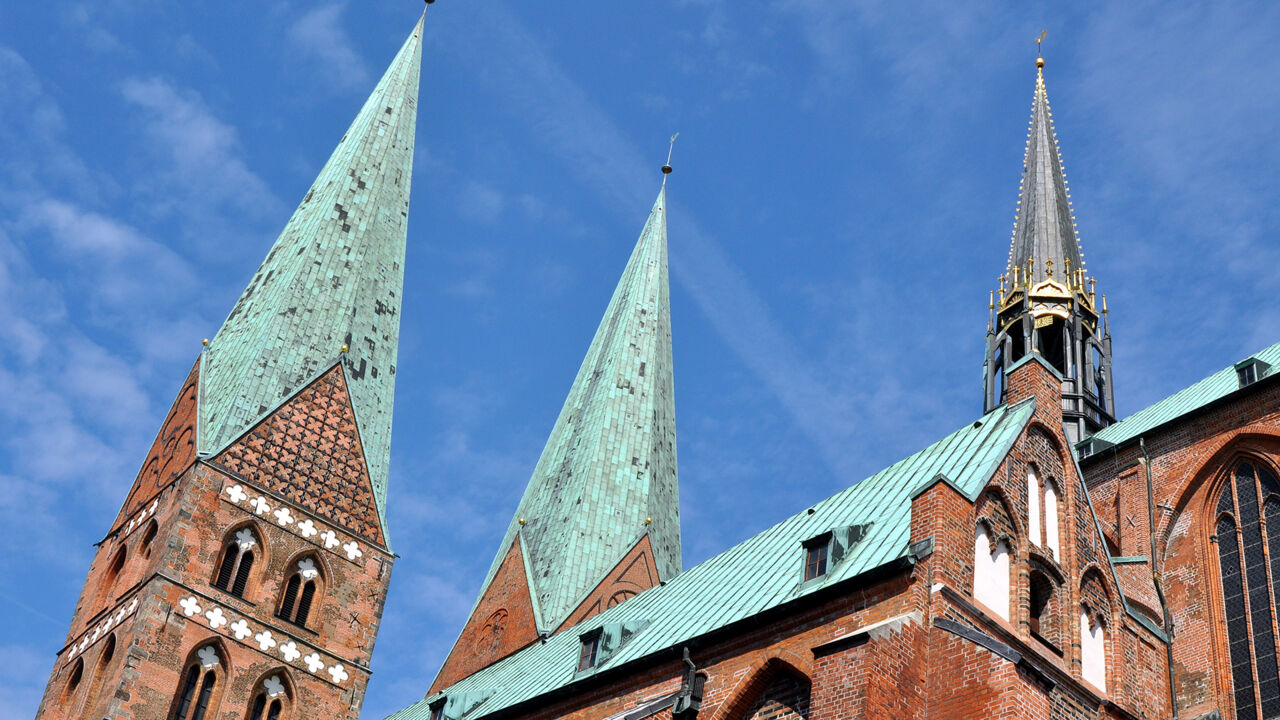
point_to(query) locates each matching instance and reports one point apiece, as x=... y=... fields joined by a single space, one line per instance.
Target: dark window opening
x=149 y=539
x=1247 y=374
x=1051 y=343
x=299 y=594
x=264 y=708
x=1247 y=595
x=815 y=564
x=590 y=652
x=1043 y=613
x=437 y=710
x=233 y=571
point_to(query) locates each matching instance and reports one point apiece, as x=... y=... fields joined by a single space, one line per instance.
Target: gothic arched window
x=148 y=540
x=991 y=571
x=197 y=685
x=1250 y=498
x=269 y=699
x=237 y=562
x=300 y=592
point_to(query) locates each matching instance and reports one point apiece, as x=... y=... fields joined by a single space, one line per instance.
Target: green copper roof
x=759 y=574
x=1044 y=229
x=333 y=277
x=610 y=462
x=1216 y=386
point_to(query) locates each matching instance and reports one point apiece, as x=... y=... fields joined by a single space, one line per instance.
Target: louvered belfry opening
x=299 y=594
x=193 y=705
x=265 y=708
x=237 y=563
x=1250 y=498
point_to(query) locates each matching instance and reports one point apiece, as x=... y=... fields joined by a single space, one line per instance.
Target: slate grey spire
x=1044 y=237
x=1046 y=301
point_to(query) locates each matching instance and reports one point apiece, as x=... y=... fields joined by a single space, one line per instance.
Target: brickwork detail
x=309 y=452
x=502 y=622
x=634 y=574
x=786 y=698
x=172 y=452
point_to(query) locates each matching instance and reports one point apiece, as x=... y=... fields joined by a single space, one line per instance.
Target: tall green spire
x=332 y=279
x=608 y=472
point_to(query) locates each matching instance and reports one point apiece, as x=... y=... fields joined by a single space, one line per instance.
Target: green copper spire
x=608 y=472
x=333 y=279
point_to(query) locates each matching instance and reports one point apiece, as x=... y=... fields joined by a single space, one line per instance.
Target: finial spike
x=1039 y=56
x=666 y=168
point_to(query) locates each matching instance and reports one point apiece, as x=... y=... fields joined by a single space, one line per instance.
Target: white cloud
x=319 y=34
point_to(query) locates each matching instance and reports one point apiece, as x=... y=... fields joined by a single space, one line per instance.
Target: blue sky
x=845 y=184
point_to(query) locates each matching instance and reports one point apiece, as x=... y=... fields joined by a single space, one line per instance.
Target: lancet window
x=197 y=686
x=1249 y=503
x=237 y=562
x=299 y=593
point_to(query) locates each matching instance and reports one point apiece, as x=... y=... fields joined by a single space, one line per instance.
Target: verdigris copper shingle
x=333 y=278
x=610 y=463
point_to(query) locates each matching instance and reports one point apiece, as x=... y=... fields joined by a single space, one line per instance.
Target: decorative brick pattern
x=308 y=451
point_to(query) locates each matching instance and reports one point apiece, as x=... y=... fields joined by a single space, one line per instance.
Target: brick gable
x=308 y=451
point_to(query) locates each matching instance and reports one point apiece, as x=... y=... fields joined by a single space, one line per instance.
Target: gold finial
x=1048 y=267
x=666 y=169
x=1039 y=57
x=1104 y=304
x=205 y=342
x=991 y=302
x=648 y=521
x=344 y=348
x=521 y=521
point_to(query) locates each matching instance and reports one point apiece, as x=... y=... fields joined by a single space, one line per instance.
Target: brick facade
x=910 y=642
x=1188 y=463
x=141 y=622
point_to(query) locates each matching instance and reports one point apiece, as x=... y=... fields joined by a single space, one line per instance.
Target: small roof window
x=1251 y=370
x=590 y=653
x=815 y=559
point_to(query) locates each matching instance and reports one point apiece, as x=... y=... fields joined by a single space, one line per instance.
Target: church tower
x=246 y=572
x=1046 y=302
x=600 y=519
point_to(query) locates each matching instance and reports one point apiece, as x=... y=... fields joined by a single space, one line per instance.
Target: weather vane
x=1039 y=57
x=666 y=169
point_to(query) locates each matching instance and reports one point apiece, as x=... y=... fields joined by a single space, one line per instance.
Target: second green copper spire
x=607 y=474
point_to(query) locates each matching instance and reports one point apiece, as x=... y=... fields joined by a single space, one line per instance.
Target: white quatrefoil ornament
x=284 y=517
x=265 y=641
x=245 y=539
x=338 y=673
x=307 y=567
x=216 y=618
x=208 y=656
x=190 y=606
x=330 y=539
x=313 y=661
x=241 y=629
x=273 y=686
x=290 y=652
x=353 y=550
x=236 y=494
x=260 y=505
x=307 y=528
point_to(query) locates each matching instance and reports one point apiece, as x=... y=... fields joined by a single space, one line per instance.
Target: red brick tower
x=245 y=575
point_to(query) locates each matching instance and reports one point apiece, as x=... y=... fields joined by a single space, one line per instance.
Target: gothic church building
x=1045 y=560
